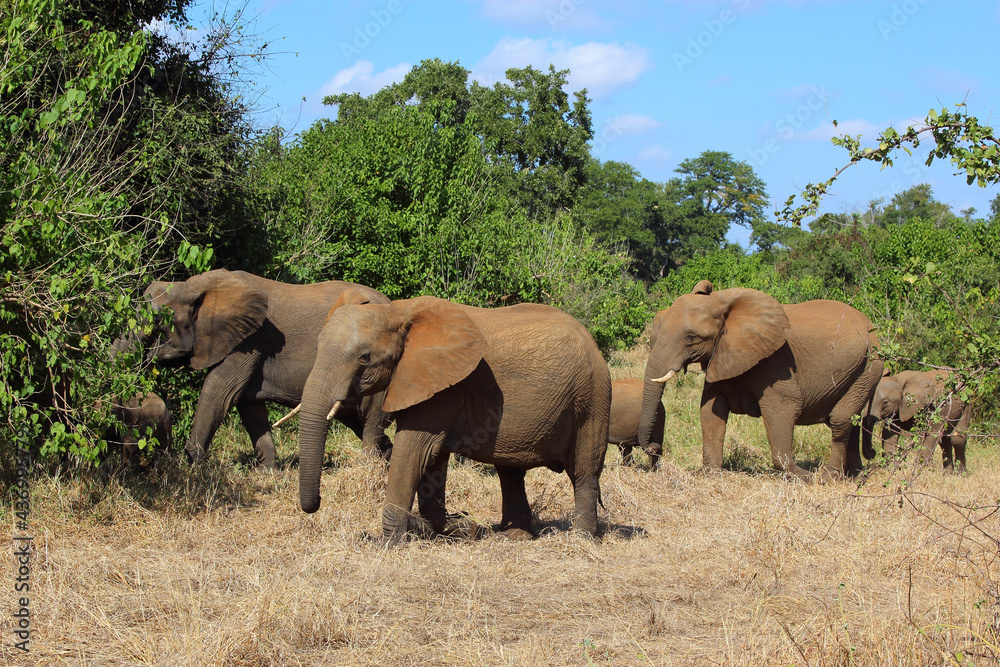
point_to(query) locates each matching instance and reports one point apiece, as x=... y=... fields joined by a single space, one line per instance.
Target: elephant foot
x=515 y=534
x=194 y=454
x=461 y=526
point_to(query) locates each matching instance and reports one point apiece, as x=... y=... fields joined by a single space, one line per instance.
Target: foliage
x=958 y=136
x=420 y=189
x=114 y=145
x=665 y=224
x=974 y=150
x=623 y=209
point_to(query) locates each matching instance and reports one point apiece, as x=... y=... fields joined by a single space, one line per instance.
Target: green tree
x=713 y=192
x=117 y=149
x=915 y=202
x=623 y=210
x=526 y=123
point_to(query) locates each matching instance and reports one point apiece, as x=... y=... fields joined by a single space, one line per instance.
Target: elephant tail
x=600 y=501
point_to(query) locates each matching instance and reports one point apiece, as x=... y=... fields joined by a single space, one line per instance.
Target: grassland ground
x=217 y=565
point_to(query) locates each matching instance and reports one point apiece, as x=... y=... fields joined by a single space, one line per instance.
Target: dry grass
x=220 y=567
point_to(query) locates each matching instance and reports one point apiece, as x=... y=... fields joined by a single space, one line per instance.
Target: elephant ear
x=441 y=347
x=229 y=310
x=703 y=287
x=917 y=394
x=755 y=327
x=349 y=297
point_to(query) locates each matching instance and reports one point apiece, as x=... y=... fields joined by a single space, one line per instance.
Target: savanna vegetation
x=129 y=153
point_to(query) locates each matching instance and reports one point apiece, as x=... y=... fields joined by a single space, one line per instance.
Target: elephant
x=899 y=401
x=142 y=415
x=257 y=338
x=623 y=429
x=519 y=387
x=797 y=364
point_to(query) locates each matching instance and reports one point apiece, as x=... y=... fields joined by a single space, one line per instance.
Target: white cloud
x=359 y=78
x=602 y=69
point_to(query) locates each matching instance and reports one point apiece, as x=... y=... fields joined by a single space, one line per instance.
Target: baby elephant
x=903 y=399
x=623 y=429
x=139 y=414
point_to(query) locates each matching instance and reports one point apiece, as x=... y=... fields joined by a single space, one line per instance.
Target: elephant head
x=412 y=349
x=210 y=314
x=728 y=332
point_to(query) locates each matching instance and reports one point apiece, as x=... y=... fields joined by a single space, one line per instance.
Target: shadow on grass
x=168 y=485
x=748 y=460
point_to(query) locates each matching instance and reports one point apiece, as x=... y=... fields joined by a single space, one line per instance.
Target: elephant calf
x=623 y=429
x=141 y=415
x=909 y=397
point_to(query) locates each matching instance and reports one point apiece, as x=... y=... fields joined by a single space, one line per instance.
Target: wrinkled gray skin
x=143 y=416
x=805 y=363
x=623 y=430
x=518 y=387
x=918 y=399
x=257 y=338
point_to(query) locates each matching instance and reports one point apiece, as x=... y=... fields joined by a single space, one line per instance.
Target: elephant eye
x=365 y=357
x=690 y=338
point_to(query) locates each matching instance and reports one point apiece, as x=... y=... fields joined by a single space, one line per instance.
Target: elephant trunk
x=318 y=408
x=652 y=394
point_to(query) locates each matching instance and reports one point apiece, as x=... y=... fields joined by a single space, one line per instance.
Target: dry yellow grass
x=219 y=566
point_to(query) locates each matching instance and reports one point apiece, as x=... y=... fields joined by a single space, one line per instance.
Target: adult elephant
x=257 y=338
x=519 y=387
x=903 y=399
x=805 y=363
x=623 y=429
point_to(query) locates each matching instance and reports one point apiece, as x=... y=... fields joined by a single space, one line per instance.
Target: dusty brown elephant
x=142 y=416
x=518 y=387
x=257 y=337
x=805 y=363
x=901 y=400
x=623 y=429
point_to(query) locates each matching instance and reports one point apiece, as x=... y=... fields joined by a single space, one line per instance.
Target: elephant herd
x=521 y=386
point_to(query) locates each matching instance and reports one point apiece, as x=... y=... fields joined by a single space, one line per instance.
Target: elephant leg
x=516 y=511
x=947 y=454
x=890 y=439
x=223 y=387
x=845 y=450
x=256 y=422
x=714 y=417
x=591 y=444
x=416 y=449
x=430 y=494
x=929 y=442
x=780 y=429
x=374 y=439
x=626 y=452
x=958 y=441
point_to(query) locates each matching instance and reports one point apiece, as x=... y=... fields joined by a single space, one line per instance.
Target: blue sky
x=761 y=79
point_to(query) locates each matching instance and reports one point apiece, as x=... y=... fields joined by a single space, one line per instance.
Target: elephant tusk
x=666 y=377
x=291 y=414
x=333 y=411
